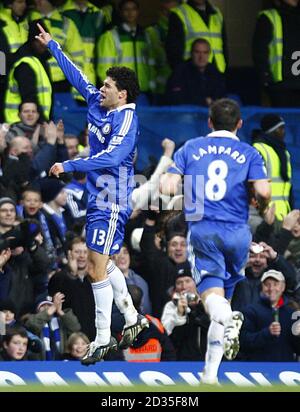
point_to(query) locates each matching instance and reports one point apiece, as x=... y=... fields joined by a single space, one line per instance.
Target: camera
x=256 y=248
x=21 y=235
x=190 y=297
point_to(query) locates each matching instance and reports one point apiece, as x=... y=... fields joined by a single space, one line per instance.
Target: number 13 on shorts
x=98 y=237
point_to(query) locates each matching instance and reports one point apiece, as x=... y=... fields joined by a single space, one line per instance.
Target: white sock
x=214 y=351
x=121 y=296
x=103 y=295
x=218 y=308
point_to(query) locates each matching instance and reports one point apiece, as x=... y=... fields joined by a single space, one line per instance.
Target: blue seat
x=64 y=101
x=296 y=183
x=143 y=100
x=289 y=135
x=235 y=97
x=295 y=155
x=297 y=135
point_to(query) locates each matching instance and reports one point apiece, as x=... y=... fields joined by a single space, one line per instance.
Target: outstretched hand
x=43 y=37
x=56 y=170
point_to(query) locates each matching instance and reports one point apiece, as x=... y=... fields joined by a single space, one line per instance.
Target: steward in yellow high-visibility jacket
x=129 y=45
x=275 y=46
x=28 y=80
x=120 y=47
x=271 y=146
x=13 y=34
x=64 y=31
x=275 y=53
x=90 y=22
x=162 y=70
x=158 y=34
x=187 y=23
x=14 y=28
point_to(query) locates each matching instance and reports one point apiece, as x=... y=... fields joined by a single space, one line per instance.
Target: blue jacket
x=257 y=343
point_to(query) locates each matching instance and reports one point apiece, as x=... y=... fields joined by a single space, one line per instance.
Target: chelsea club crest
x=106 y=128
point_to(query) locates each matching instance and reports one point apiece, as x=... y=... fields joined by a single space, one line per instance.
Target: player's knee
x=97 y=277
x=96 y=272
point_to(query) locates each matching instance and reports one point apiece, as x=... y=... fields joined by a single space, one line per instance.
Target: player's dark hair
x=125 y=79
x=224 y=114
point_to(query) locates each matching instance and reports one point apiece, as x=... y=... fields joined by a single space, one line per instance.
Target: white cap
x=274 y=274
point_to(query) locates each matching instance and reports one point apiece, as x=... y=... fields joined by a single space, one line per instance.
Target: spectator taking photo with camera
x=184 y=318
x=23 y=262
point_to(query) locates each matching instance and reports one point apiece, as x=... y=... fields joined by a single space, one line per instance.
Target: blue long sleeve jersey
x=112 y=137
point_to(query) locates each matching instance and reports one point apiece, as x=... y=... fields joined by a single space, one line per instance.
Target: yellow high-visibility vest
x=16 y=33
x=43 y=86
x=162 y=69
x=64 y=31
x=276 y=46
x=280 y=188
x=89 y=24
x=195 y=28
x=120 y=50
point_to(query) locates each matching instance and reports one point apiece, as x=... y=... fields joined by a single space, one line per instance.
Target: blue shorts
x=218 y=253
x=105 y=228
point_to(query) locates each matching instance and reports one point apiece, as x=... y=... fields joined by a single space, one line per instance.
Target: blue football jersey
x=216 y=170
x=112 y=139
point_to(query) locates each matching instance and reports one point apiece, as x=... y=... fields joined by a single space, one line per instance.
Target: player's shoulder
x=125 y=111
x=192 y=143
x=249 y=148
x=125 y=108
x=250 y=153
x=124 y=116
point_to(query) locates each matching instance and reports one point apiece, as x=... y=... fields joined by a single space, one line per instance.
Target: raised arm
x=72 y=73
x=169 y=183
x=110 y=157
x=262 y=191
x=120 y=145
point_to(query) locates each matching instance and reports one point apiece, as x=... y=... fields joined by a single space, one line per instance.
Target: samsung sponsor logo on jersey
x=128 y=374
x=93 y=129
x=212 y=149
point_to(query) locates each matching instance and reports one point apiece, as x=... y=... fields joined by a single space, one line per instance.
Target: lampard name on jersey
x=212 y=149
